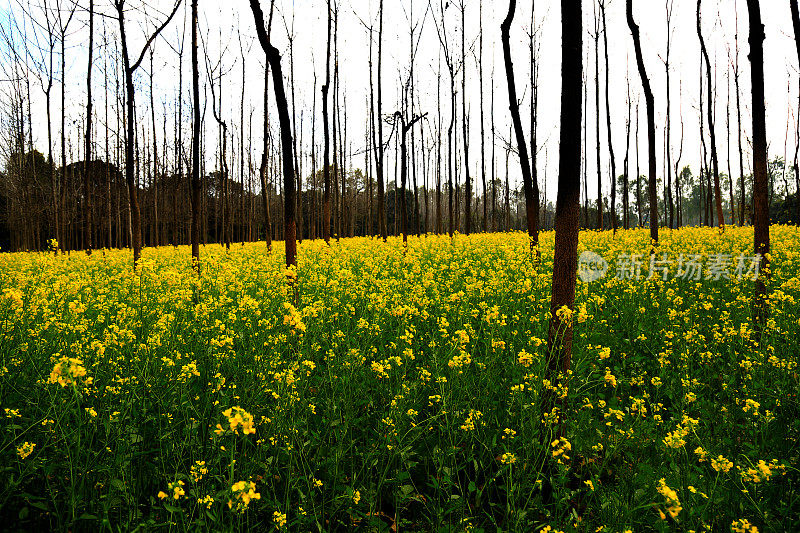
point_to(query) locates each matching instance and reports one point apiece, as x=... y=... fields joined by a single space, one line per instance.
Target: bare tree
x=796 y=27
x=739 y=119
x=711 y=128
x=651 y=123
x=274 y=59
x=567 y=216
x=608 y=122
x=483 y=133
x=625 y=164
x=63 y=27
x=596 y=36
x=87 y=154
x=326 y=198
x=760 y=201
x=668 y=128
x=129 y=69
x=451 y=68
x=403 y=128
x=531 y=202
x=465 y=122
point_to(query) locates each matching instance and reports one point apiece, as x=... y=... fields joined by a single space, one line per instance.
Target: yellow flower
x=508 y=459
x=198 y=470
x=207 y=500
x=524 y=358
x=743 y=526
x=237 y=417
x=356 y=497
x=565 y=314
x=280 y=518
x=673 y=503
x=14 y=297
x=243 y=493
x=560 y=448
x=66 y=371
x=701 y=453
x=610 y=379
x=25 y=449
x=469 y=423
x=720 y=464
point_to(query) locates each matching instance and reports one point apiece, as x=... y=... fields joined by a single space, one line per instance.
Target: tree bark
x=567 y=202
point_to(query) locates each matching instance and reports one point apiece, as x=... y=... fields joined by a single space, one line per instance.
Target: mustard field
x=401 y=390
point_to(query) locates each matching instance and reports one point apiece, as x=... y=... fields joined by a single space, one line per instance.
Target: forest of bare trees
x=136 y=166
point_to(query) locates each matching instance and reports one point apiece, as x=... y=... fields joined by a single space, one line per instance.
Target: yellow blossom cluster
x=237 y=418
x=67 y=371
x=242 y=493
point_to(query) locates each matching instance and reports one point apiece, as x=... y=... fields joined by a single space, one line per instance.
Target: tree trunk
x=467 y=182
x=483 y=133
x=668 y=144
x=597 y=120
x=711 y=128
x=651 y=124
x=274 y=59
x=195 y=180
x=608 y=124
x=326 y=195
x=761 y=213
x=135 y=214
x=265 y=162
x=626 y=163
x=796 y=26
x=87 y=155
x=567 y=202
x=531 y=202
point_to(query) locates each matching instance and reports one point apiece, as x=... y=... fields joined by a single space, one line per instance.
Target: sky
x=222 y=24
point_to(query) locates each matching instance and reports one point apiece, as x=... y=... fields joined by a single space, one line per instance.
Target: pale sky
x=719 y=23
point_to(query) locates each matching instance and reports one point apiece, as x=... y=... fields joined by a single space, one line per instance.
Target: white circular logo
x=591 y=266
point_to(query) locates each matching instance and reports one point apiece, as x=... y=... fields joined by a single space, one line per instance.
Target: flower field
x=401 y=391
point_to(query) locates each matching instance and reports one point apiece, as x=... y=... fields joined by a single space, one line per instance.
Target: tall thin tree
x=711 y=128
x=760 y=194
x=651 y=123
x=130 y=175
x=568 y=197
x=87 y=151
x=274 y=59
x=531 y=201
